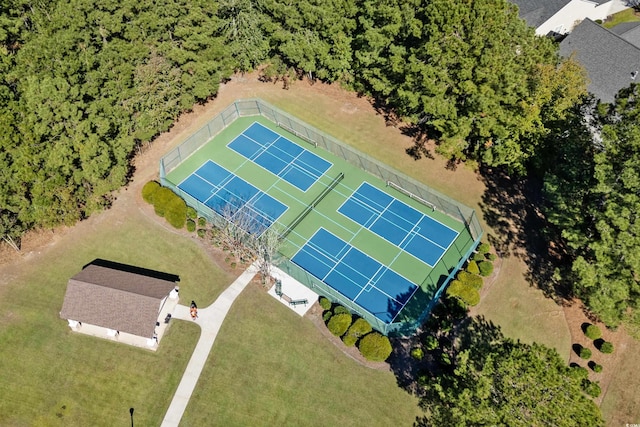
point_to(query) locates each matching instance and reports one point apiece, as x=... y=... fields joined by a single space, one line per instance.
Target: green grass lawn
x=51 y=376
x=627 y=15
x=269 y=367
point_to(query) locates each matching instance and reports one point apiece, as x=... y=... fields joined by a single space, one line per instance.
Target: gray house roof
x=537 y=12
x=611 y=62
x=630 y=31
x=115 y=299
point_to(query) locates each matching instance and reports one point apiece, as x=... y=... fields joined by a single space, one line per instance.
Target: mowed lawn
x=269 y=367
x=51 y=376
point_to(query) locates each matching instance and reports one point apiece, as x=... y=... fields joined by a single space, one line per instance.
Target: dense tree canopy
x=595 y=201
x=491 y=380
x=83 y=84
x=472 y=71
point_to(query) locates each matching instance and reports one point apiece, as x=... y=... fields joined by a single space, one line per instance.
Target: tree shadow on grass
x=512 y=207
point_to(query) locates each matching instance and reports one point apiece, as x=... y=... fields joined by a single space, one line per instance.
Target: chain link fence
x=395 y=179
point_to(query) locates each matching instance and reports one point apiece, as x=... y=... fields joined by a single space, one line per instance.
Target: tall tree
x=470 y=71
x=608 y=262
x=491 y=380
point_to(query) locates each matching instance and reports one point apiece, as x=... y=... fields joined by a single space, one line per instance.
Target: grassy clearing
x=523 y=312
x=269 y=367
x=51 y=376
x=621 y=405
x=627 y=15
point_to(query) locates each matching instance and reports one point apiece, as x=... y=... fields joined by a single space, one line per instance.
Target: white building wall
x=575 y=12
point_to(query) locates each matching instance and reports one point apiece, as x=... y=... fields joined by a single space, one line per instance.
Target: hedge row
x=165 y=203
x=372 y=345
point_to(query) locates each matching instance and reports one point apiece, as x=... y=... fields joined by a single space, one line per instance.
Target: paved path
x=210 y=319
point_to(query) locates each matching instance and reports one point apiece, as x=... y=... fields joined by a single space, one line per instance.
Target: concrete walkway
x=210 y=320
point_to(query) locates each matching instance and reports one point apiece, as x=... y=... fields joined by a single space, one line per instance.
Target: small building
x=120 y=303
x=559 y=17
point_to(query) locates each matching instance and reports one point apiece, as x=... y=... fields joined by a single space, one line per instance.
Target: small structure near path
x=121 y=303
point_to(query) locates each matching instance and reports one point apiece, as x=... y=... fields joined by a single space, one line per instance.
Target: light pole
x=131 y=413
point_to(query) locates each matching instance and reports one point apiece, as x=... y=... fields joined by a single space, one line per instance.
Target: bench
x=298 y=302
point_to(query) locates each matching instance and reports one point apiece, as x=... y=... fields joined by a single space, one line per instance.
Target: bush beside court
x=339 y=323
x=167 y=204
x=358 y=329
x=375 y=347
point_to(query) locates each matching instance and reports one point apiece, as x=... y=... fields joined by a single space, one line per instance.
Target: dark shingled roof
x=115 y=299
x=630 y=31
x=610 y=61
x=537 y=12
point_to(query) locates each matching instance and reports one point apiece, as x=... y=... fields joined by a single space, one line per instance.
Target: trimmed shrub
x=585 y=353
x=472 y=280
x=483 y=248
x=472 y=267
x=595 y=367
x=417 y=353
x=339 y=323
x=486 y=268
x=593 y=332
x=161 y=200
x=202 y=232
x=202 y=222
x=606 y=347
x=358 y=329
x=464 y=292
x=591 y=388
x=340 y=309
x=491 y=257
x=326 y=316
x=324 y=303
x=375 y=347
x=149 y=190
x=477 y=257
x=191 y=226
x=176 y=212
x=191 y=213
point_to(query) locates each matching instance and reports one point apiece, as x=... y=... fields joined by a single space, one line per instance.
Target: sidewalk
x=210 y=320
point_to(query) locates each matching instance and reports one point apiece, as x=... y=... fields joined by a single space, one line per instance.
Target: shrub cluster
x=585 y=353
x=165 y=203
x=465 y=293
x=324 y=303
x=358 y=329
x=606 y=347
x=372 y=345
x=340 y=309
x=191 y=225
x=339 y=323
x=191 y=213
x=375 y=347
x=472 y=267
x=486 y=268
x=593 y=332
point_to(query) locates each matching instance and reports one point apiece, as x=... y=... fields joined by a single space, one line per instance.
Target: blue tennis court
x=280 y=156
x=231 y=196
x=406 y=227
x=370 y=284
